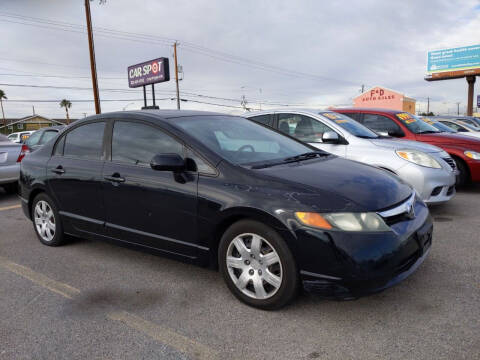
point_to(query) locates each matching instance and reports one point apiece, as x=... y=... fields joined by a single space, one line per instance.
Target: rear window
x=47 y=136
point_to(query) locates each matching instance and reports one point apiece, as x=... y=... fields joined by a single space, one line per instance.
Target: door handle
x=115 y=178
x=58 y=170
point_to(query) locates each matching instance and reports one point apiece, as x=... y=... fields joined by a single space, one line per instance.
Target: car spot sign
x=149 y=72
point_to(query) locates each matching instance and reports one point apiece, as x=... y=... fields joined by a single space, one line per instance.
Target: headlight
x=344 y=221
x=472 y=154
x=419 y=158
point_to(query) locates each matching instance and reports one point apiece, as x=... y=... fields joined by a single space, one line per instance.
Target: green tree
x=2 y=96
x=67 y=105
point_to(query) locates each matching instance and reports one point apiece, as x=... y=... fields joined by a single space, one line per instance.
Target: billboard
x=453 y=63
x=149 y=72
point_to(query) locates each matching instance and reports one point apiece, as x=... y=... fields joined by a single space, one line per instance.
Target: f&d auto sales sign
x=149 y=72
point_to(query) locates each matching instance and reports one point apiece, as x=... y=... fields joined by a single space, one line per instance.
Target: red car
x=464 y=150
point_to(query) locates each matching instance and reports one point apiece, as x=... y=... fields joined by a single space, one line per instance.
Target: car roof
x=387 y=111
x=291 y=110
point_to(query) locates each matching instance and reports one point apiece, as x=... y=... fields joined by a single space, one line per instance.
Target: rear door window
x=85 y=141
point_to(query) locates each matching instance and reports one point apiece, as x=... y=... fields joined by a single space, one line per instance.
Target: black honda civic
x=271 y=213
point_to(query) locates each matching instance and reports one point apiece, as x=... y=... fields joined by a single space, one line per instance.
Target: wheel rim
x=44 y=221
x=254 y=266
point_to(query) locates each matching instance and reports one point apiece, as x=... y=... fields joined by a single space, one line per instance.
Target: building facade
x=29 y=123
x=383 y=98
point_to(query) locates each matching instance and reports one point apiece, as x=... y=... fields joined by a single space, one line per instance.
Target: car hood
x=398 y=144
x=337 y=184
x=453 y=139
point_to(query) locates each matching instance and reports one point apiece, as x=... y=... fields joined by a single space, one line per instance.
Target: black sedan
x=269 y=211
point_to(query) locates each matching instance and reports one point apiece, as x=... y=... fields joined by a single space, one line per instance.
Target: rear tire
x=257 y=265
x=46 y=221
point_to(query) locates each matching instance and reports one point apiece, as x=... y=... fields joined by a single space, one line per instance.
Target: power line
x=124 y=35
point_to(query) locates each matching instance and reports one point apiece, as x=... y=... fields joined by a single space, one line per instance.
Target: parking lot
x=98 y=301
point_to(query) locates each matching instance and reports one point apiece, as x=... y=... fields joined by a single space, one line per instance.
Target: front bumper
x=9 y=173
x=434 y=186
x=474 y=167
x=350 y=265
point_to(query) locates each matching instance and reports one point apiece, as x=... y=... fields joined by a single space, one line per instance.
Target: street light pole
x=93 y=65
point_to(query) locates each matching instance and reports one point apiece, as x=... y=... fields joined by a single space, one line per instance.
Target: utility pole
x=93 y=65
x=458 y=108
x=176 y=74
x=363 y=89
x=428 y=105
x=471 y=83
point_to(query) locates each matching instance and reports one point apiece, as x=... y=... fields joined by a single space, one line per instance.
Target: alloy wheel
x=44 y=221
x=254 y=266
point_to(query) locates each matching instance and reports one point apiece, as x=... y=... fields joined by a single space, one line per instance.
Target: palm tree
x=67 y=105
x=2 y=96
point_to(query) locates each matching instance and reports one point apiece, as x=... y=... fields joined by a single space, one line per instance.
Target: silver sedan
x=10 y=157
x=428 y=169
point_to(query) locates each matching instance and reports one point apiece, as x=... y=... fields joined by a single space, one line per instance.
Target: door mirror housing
x=168 y=162
x=330 y=137
x=396 y=133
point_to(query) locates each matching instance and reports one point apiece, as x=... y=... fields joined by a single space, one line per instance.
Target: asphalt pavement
x=92 y=300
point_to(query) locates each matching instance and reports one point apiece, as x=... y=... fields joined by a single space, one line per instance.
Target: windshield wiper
x=305 y=156
x=428 y=132
x=300 y=157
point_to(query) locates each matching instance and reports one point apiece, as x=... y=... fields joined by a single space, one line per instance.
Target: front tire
x=257 y=265
x=46 y=221
x=464 y=176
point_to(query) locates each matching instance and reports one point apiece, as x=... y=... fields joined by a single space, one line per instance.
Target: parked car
x=427 y=168
x=10 y=156
x=470 y=120
x=271 y=212
x=42 y=136
x=20 y=137
x=437 y=124
x=461 y=127
x=465 y=150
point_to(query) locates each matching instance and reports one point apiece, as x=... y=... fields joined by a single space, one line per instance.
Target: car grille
x=451 y=162
x=398 y=213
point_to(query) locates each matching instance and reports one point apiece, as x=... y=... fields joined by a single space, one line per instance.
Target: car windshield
x=439 y=125
x=352 y=126
x=415 y=124
x=241 y=141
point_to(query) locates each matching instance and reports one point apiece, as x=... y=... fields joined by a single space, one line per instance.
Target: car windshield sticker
x=406 y=118
x=332 y=116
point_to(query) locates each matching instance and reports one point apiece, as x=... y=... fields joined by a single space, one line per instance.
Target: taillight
x=24 y=151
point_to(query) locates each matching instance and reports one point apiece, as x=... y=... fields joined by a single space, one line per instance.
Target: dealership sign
x=149 y=72
x=453 y=63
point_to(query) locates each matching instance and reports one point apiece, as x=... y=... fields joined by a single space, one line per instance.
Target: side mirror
x=330 y=137
x=168 y=162
x=383 y=133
